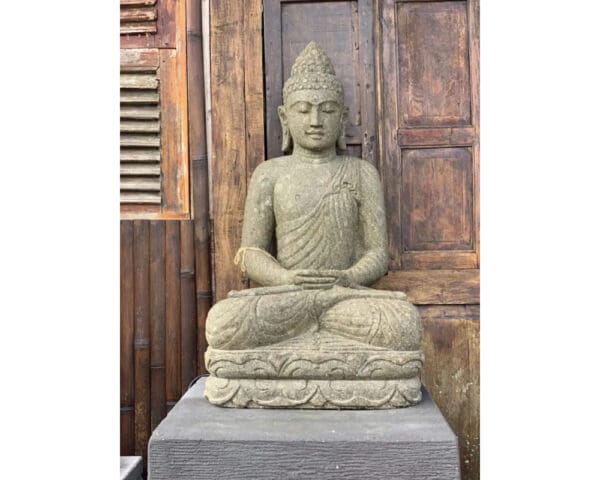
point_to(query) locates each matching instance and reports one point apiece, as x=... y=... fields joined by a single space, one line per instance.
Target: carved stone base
x=316 y=370
x=321 y=394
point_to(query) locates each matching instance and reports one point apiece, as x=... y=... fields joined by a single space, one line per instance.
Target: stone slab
x=198 y=440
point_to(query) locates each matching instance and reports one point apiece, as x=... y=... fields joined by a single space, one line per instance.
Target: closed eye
x=329 y=107
x=302 y=107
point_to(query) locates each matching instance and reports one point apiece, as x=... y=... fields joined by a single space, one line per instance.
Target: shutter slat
x=136 y=3
x=140 y=197
x=142 y=183
x=129 y=96
x=149 y=155
x=139 y=81
x=138 y=27
x=139 y=59
x=140 y=169
x=143 y=14
x=140 y=126
x=140 y=112
x=140 y=140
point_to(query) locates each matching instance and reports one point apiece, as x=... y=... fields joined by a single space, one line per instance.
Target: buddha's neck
x=312 y=156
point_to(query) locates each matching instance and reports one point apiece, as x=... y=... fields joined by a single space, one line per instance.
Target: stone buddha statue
x=314 y=335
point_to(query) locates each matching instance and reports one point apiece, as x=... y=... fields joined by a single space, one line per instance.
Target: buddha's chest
x=301 y=189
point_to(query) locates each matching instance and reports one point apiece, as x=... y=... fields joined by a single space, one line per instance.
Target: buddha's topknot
x=313 y=70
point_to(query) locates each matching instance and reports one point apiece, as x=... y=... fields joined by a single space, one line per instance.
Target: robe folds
x=325 y=237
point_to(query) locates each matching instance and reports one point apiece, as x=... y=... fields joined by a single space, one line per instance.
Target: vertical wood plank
x=199 y=171
x=451 y=375
x=127 y=431
x=207 y=89
x=166 y=23
x=157 y=323
x=228 y=139
x=378 y=74
x=141 y=290
x=196 y=95
x=390 y=163
x=253 y=86
x=173 y=135
x=202 y=257
x=188 y=305
x=127 y=372
x=473 y=13
x=173 y=314
x=367 y=75
x=273 y=75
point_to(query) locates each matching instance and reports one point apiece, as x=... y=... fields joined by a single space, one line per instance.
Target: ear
x=341 y=141
x=286 y=139
x=282 y=115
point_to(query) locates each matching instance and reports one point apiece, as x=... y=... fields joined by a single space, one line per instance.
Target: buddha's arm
x=257 y=231
x=373 y=229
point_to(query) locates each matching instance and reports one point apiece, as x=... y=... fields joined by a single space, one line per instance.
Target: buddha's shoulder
x=277 y=162
x=272 y=167
x=365 y=167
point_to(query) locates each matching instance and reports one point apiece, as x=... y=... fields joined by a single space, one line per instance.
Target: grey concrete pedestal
x=198 y=440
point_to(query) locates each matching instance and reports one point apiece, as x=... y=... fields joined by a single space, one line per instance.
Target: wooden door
x=429 y=163
x=430 y=150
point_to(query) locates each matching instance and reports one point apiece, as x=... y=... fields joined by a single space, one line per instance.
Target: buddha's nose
x=315 y=118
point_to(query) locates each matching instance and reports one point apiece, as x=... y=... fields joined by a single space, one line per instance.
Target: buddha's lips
x=315 y=134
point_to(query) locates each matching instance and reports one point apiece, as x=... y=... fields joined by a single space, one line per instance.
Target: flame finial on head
x=312 y=60
x=313 y=70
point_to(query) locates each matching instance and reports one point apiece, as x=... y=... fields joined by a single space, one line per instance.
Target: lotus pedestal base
x=317 y=370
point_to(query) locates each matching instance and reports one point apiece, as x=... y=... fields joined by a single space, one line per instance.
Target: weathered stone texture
x=314 y=319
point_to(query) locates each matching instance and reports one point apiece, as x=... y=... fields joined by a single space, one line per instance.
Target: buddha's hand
x=342 y=277
x=311 y=279
x=315 y=279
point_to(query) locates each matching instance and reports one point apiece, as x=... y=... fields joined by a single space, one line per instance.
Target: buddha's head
x=313 y=114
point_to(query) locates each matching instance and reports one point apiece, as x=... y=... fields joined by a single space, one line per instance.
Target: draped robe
x=327 y=236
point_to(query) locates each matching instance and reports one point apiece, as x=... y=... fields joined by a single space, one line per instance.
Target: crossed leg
x=374 y=317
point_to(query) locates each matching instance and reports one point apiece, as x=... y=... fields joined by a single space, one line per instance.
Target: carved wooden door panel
x=429 y=159
x=345 y=31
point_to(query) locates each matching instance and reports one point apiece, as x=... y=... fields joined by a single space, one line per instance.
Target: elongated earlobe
x=287 y=142
x=286 y=139
x=341 y=140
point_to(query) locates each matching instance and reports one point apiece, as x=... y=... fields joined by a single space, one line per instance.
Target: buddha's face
x=314 y=118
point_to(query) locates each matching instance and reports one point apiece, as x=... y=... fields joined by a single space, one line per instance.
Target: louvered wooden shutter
x=140 y=129
x=154 y=177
